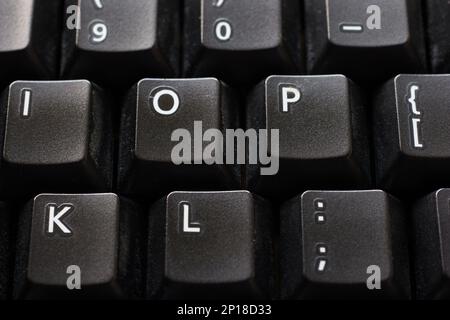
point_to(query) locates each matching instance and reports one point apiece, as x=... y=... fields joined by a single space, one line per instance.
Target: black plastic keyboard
x=224 y=149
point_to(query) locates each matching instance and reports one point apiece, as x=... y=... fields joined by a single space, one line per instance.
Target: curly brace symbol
x=415 y=119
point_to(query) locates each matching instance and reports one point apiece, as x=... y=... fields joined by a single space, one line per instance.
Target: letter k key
x=54 y=219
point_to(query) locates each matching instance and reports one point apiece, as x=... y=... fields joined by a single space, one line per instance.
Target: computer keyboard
x=224 y=149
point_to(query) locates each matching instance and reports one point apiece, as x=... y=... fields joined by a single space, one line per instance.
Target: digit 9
x=98 y=32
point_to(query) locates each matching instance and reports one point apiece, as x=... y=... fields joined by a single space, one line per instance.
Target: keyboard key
x=323 y=140
x=344 y=244
x=5 y=251
x=209 y=245
x=121 y=41
x=57 y=138
x=163 y=125
x=79 y=246
x=367 y=40
x=432 y=251
x=242 y=41
x=29 y=40
x=412 y=135
x=438 y=28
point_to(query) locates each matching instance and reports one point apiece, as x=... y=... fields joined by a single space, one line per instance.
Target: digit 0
x=223 y=30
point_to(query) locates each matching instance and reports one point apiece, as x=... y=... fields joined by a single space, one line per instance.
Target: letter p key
x=289 y=94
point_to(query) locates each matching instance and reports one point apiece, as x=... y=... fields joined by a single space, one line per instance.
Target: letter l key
x=188 y=227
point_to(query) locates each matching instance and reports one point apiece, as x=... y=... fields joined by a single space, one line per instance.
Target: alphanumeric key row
x=199 y=245
x=302 y=132
x=206 y=245
x=118 y=42
x=58 y=137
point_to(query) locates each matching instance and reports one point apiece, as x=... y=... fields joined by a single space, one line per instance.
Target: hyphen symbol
x=352 y=28
x=373 y=21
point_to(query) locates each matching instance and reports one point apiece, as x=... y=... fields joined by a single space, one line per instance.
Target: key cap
x=432 y=253
x=163 y=126
x=344 y=244
x=241 y=42
x=29 y=39
x=438 y=27
x=79 y=246
x=5 y=251
x=367 y=40
x=57 y=137
x=323 y=141
x=412 y=136
x=209 y=245
x=121 y=41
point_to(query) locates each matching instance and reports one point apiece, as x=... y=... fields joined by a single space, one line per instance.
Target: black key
x=121 y=41
x=323 y=141
x=242 y=41
x=367 y=40
x=29 y=39
x=438 y=27
x=163 y=124
x=57 y=137
x=5 y=251
x=79 y=246
x=209 y=245
x=432 y=240
x=412 y=134
x=344 y=244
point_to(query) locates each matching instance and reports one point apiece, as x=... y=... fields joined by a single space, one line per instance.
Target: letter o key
x=166 y=92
